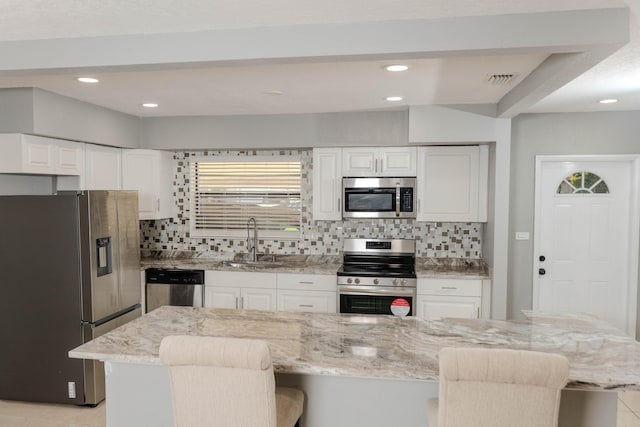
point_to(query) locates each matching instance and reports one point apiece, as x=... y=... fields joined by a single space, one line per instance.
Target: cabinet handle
x=381 y=168
x=306 y=283
x=306 y=305
x=241 y=302
x=375 y=167
x=339 y=204
x=478 y=311
x=158 y=204
x=236 y=303
x=448 y=287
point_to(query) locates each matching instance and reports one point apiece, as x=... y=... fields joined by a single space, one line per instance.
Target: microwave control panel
x=406 y=199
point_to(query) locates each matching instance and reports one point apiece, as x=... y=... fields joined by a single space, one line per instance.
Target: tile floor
x=629 y=409
x=20 y=414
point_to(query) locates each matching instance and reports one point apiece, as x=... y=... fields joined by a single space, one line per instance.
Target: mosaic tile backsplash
x=437 y=240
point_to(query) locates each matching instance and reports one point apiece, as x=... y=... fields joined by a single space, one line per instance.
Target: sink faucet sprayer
x=252 y=249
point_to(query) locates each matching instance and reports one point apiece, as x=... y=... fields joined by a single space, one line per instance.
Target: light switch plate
x=522 y=235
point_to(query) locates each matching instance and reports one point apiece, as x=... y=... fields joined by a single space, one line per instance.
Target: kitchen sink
x=260 y=264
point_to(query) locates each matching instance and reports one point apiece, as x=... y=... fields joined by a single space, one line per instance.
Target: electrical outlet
x=522 y=235
x=71 y=389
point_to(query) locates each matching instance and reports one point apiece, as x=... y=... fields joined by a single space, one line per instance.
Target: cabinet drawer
x=437 y=307
x=240 y=279
x=460 y=287
x=307 y=282
x=308 y=301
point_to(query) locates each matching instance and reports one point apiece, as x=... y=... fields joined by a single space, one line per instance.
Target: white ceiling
x=318 y=76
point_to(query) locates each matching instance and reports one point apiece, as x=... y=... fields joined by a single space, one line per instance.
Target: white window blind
x=225 y=193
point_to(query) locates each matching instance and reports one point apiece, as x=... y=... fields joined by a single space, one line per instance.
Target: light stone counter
x=444 y=268
x=379 y=347
x=301 y=264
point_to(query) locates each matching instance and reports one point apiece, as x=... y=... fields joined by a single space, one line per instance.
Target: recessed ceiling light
x=397 y=67
x=394 y=98
x=608 y=101
x=149 y=105
x=273 y=92
x=88 y=80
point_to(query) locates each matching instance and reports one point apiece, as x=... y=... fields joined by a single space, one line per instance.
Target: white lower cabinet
x=314 y=293
x=309 y=301
x=240 y=290
x=439 y=298
x=270 y=291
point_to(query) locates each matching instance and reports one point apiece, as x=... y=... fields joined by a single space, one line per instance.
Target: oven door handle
x=367 y=290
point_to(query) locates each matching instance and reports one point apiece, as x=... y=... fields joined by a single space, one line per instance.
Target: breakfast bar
x=389 y=362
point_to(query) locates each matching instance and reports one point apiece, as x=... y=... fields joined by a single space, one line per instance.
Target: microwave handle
x=398 y=199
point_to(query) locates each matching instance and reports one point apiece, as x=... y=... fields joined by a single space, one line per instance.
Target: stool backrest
x=500 y=388
x=226 y=382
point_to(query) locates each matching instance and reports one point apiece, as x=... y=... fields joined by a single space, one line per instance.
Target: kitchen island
x=362 y=370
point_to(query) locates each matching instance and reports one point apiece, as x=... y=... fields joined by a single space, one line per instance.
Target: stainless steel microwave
x=379 y=197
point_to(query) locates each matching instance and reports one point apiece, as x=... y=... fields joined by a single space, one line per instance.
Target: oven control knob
x=404 y=282
x=376 y=281
x=349 y=280
x=357 y=280
x=394 y=282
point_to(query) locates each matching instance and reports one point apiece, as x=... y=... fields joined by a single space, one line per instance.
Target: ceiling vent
x=501 y=79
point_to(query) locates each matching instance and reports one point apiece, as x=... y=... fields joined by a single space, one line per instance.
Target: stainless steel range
x=377 y=276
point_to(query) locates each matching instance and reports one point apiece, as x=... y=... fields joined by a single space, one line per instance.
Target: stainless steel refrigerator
x=69 y=272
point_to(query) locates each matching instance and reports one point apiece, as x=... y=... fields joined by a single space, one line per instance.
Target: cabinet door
x=308 y=301
x=37 y=155
x=149 y=172
x=434 y=307
x=327 y=184
x=103 y=168
x=397 y=161
x=359 y=162
x=69 y=158
x=448 y=184
x=258 y=299
x=221 y=297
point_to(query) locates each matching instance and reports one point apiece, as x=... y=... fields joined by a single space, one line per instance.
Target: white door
x=586 y=235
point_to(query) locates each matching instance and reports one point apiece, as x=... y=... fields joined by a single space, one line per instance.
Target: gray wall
x=63 y=117
x=276 y=131
x=11 y=185
x=554 y=134
x=39 y=112
x=16 y=110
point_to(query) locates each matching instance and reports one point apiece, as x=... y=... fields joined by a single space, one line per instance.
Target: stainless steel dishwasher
x=164 y=286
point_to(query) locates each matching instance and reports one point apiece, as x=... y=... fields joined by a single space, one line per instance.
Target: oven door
x=374 y=299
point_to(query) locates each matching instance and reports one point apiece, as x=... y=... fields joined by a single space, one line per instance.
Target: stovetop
x=378 y=270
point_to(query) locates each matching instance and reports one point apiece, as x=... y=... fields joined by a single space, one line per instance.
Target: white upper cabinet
x=149 y=172
x=20 y=153
x=379 y=161
x=103 y=168
x=452 y=183
x=327 y=184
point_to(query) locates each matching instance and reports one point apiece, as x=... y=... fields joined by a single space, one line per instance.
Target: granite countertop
x=301 y=264
x=308 y=264
x=601 y=358
x=451 y=268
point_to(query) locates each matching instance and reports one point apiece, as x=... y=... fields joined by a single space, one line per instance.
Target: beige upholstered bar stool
x=498 y=388
x=226 y=382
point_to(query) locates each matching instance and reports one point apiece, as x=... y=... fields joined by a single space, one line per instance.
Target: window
x=583 y=183
x=227 y=191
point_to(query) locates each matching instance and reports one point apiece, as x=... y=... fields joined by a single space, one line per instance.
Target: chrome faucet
x=252 y=248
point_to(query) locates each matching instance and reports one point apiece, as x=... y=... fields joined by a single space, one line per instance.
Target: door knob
x=542 y=258
x=542 y=271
